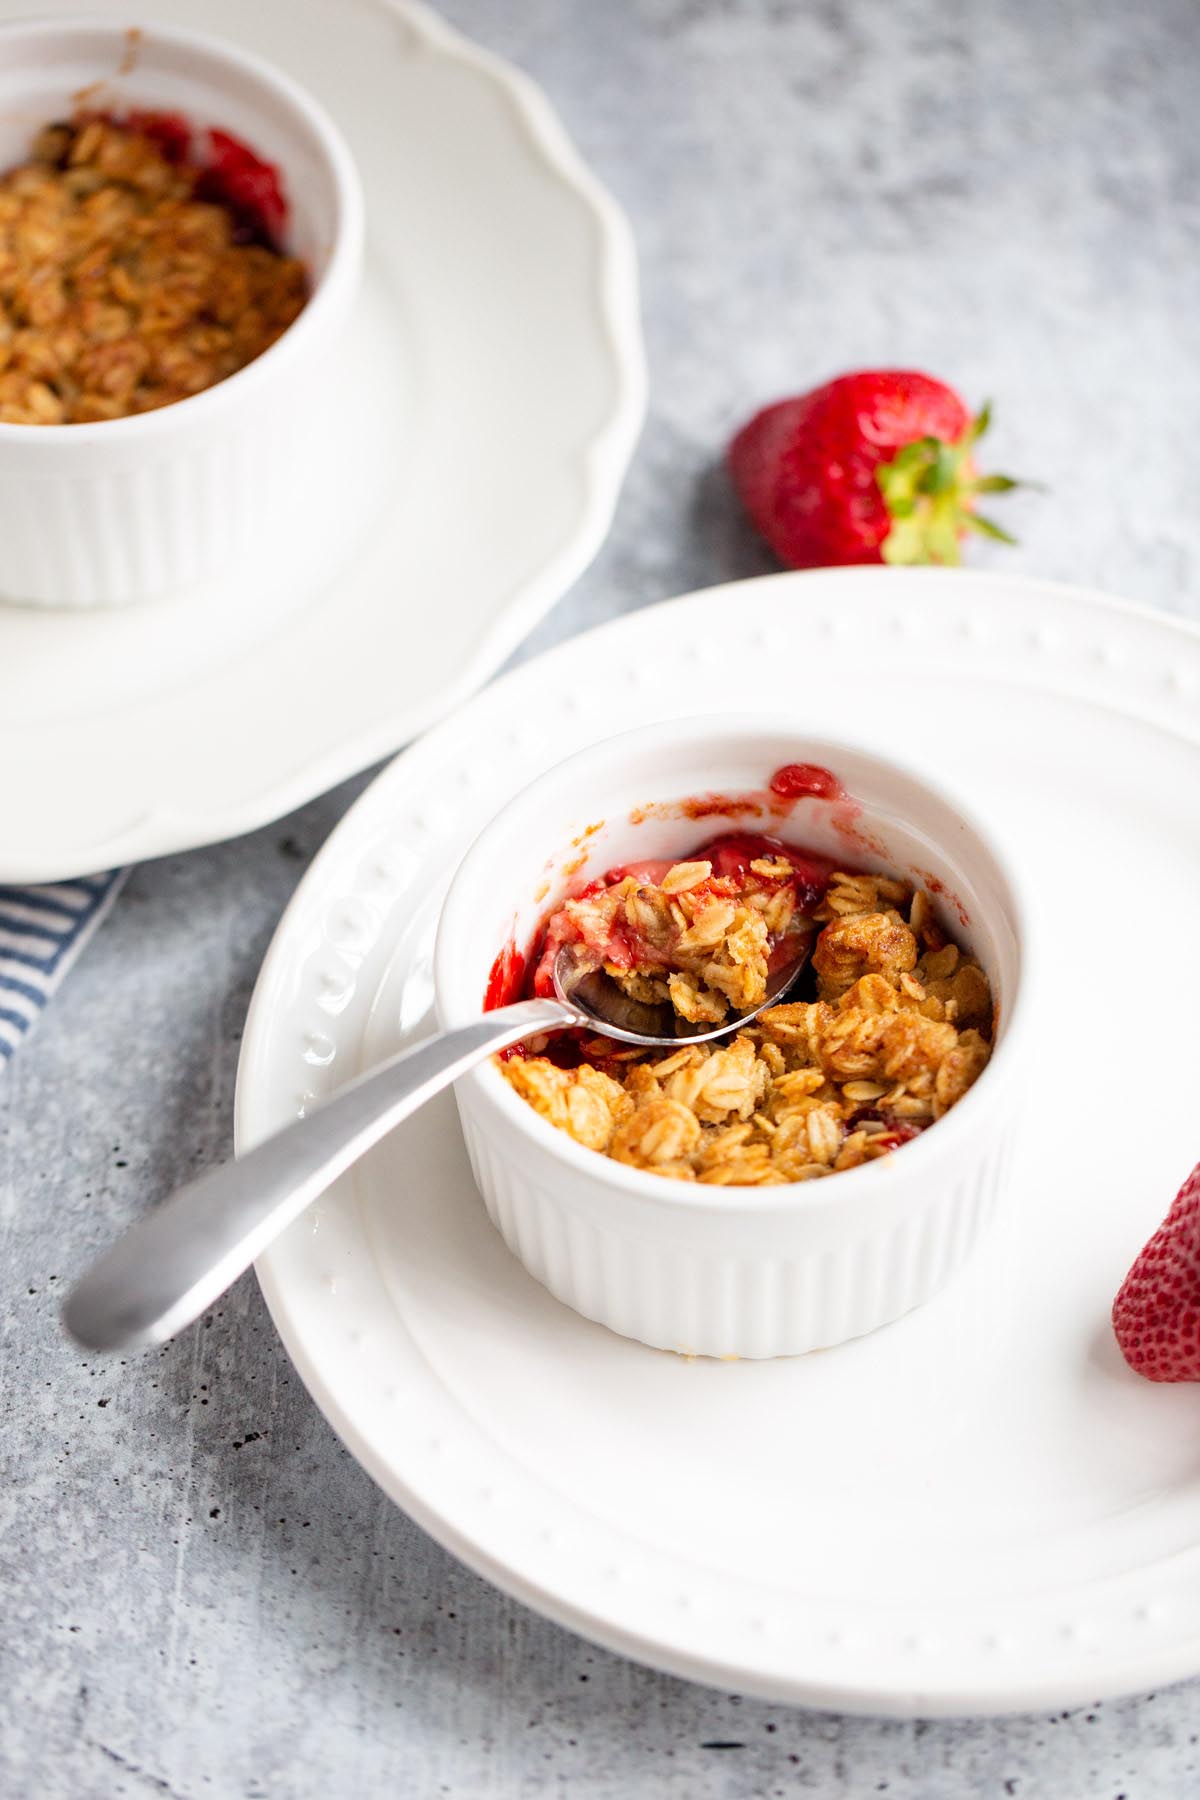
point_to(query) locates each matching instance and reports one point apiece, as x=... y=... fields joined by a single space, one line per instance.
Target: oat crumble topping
x=121 y=288
x=898 y=1031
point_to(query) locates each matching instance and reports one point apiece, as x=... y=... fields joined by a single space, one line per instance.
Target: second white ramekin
x=748 y=1272
x=138 y=508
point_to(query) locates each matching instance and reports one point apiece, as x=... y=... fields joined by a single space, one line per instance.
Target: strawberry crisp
x=132 y=276
x=891 y=1023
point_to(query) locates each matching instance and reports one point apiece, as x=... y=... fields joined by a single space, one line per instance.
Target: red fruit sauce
x=506 y=980
x=732 y=854
x=246 y=185
x=797 y=779
x=228 y=172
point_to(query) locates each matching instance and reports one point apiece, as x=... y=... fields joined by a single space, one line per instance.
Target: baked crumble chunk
x=129 y=276
x=895 y=1027
x=701 y=934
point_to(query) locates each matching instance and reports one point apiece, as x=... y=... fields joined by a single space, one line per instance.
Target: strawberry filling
x=506 y=979
x=246 y=185
x=607 y=937
x=228 y=172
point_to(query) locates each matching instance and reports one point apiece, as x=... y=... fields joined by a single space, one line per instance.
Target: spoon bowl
x=581 y=984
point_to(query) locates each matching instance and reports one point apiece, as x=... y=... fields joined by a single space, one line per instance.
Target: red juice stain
x=795 y=780
x=936 y=885
x=700 y=806
x=506 y=980
x=719 y=806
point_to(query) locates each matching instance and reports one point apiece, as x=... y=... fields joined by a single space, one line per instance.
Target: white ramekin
x=722 y=1271
x=138 y=508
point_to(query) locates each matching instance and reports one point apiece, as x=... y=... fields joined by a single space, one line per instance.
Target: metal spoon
x=173 y=1264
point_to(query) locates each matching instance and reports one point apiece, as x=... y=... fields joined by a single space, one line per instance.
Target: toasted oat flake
x=863 y=1091
x=685 y=875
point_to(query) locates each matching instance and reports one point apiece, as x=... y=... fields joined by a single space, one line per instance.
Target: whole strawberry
x=1156 y=1315
x=873 y=467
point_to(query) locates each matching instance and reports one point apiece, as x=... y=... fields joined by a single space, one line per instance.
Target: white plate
x=977 y=1509
x=495 y=378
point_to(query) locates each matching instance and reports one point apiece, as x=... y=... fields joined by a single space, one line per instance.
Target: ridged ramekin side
x=763 y=1299
x=106 y=539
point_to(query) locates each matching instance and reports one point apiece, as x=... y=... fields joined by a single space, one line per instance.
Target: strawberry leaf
x=979 y=424
x=987 y=528
x=929 y=488
x=997 y=484
x=943 y=471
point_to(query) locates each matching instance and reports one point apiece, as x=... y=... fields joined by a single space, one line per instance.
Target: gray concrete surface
x=201 y=1592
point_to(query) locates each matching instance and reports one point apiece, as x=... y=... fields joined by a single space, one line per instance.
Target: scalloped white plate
x=496 y=386
x=979 y=1508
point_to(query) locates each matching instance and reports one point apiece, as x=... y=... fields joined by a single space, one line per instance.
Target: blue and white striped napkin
x=42 y=931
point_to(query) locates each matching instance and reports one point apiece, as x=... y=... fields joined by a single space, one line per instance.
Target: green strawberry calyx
x=930 y=489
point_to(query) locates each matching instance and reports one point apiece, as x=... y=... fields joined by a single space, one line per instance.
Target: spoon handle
x=169 y=1267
